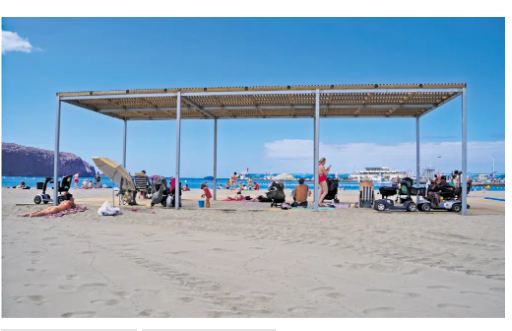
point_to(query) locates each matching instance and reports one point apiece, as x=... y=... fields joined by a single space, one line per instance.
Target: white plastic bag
x=107 y=209
x=168 y=201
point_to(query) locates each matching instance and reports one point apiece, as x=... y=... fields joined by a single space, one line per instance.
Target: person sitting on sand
x=84 y=184
x=300 y=194
x=256 y=186
x=238 y=197
x=22 y=186
x=68 y=203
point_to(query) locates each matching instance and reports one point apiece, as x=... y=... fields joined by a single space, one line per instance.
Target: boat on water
x=377 y=174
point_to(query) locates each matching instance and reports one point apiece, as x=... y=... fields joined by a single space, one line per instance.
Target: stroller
x=63 y=188
x=332 y=190
x=276 y=194
x=161 y=193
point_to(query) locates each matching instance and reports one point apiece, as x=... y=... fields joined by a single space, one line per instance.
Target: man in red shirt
x=206 y=194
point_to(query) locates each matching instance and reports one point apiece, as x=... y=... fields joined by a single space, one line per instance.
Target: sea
x=194 y=183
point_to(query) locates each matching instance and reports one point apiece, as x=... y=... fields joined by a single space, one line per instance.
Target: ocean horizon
x=195 y=182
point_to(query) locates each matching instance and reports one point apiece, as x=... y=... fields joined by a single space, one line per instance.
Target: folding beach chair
x=142 y=185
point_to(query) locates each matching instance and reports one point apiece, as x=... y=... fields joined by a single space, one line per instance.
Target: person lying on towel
x=68 y=203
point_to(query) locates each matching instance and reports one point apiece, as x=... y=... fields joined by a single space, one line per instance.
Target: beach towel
x=107 y=209
x=76 y=210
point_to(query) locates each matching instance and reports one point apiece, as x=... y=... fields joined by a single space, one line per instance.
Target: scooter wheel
x=411 y=207
x=37 y=199
x=456 y=207
x=380 y=206
x=426 y=207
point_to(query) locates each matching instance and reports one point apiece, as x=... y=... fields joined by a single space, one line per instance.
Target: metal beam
x=462 y=179
x=198 y=107
x=376 y=90
x=177 y=200
x=279 y=92
x=56 y=156
x=207 y=110
x=125 y=133
x=118 y=96
x=214 y=159
x=233 y=93
x=316 y=146
x=433 y=107
x=159 y=118
x=312 y=92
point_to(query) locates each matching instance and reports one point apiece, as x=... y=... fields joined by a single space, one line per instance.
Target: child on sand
x=206 y=194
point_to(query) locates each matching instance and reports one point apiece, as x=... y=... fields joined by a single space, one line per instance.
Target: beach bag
x=107 y=209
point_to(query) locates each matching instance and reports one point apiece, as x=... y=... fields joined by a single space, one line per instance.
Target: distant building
x=378 y=174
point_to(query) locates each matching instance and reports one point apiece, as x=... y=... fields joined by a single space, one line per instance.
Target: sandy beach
x=245 y=259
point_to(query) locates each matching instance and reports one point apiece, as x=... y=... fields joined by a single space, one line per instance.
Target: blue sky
x=56 y=54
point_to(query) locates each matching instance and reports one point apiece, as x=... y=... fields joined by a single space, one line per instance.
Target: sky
x=43 y=56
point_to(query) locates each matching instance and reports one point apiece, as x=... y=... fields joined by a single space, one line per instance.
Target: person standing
x=233 y=179
x=76 y=180
x=322 y=179
x=207 y=195
x=98 y=179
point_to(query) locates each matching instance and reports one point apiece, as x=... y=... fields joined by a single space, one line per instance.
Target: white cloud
x=297 y=155
x=12 y=42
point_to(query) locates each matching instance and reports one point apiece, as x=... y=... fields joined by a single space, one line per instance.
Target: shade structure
x=364 y=100
x=308 y=101
x=115 y=172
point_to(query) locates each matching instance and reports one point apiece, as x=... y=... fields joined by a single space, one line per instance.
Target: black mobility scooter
x=443 y=197
x=63 y=187
x=406 y=194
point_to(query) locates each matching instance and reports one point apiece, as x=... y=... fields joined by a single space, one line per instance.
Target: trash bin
x=366 y=194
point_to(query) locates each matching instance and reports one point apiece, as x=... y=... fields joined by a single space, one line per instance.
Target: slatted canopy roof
x=363 y=100
x=314 y=101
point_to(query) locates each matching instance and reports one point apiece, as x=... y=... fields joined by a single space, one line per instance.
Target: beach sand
x=244 y=259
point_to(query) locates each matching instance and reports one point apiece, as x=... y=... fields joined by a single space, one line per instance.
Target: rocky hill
x=18 y=160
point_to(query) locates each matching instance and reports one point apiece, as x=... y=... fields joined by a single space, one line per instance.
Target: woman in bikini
x=322 y=179
x=64 y=205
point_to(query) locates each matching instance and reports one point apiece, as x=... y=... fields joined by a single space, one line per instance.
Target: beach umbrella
x=115 y=172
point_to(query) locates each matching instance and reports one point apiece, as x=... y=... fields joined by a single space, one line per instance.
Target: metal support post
x=316 y=146
x=417 y=156
x=124 y=142
x=462 y=179
x=214 y=159
x=178 y=145
x=56 y=158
